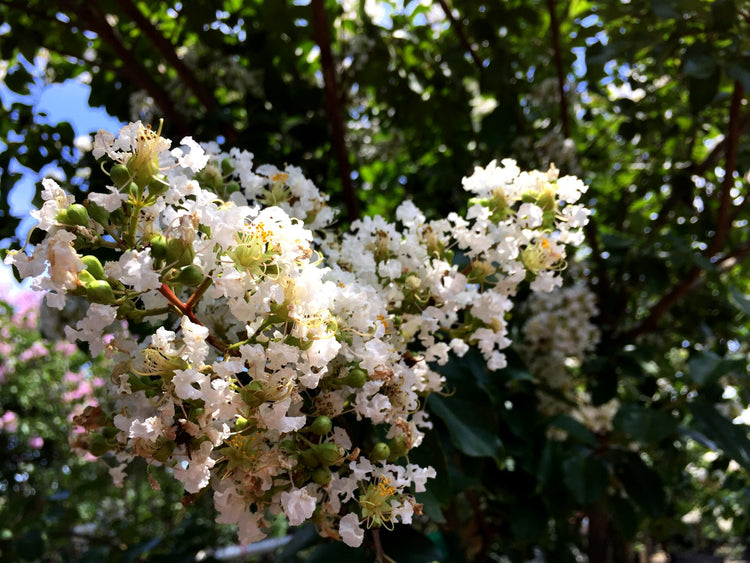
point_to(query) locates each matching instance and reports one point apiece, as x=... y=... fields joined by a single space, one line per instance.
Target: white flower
x=298 y=505
x=351 y=532
x=194 y=158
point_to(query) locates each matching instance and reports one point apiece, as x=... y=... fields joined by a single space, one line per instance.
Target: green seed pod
x=94 y=267
x=190 y=276
x=380 y=452
x=321 y=425
x=321 y=476
x=99 y=291
x=77 y=215
x=329 y=453
x=120 y=175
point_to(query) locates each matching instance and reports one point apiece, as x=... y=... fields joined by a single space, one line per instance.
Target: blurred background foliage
x=637 y=442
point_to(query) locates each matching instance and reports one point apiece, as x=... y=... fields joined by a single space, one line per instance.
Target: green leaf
x=406 y=545
x=641 y=482
x=644 y=424
x=699 y=61
x=740 y=300
x=471 y=430
x=706 y=367
x=729 y=437
x=586 y=478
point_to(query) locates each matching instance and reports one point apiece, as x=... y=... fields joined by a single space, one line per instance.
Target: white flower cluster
x=266 y=349
x=558 y=335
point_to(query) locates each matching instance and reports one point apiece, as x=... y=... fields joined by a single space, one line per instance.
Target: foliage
x=644 y=100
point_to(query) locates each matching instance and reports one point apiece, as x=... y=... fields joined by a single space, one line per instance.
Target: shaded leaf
x=471 y=430
x=644 y=424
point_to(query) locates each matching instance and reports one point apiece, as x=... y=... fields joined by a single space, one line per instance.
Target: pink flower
x=9 y=422
x=36 y=442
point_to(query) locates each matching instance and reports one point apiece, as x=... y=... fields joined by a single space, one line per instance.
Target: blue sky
x=67 y=101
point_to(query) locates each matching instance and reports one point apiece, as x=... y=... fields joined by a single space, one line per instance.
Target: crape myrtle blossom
x=279 y=342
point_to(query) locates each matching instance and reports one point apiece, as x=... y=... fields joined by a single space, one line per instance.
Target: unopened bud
x=99 y=291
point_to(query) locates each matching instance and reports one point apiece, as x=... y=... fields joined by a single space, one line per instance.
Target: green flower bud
x=241 y=423
x=356 y=378
x=99 y=291
x=308 y=458
x=397 y=445
x=178 y=253
x=321 y=425
x=120 y=175
x=380 y=452
x=158 y=246
x=190 y=276
x=77 y=215
x=97 y=213
x=321 y=476
x=93 y=266
x=157 y=186
x=134 y=190
x=329 y=453
x=85 y=277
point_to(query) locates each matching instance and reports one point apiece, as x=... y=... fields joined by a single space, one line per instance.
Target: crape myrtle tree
x=612 y=419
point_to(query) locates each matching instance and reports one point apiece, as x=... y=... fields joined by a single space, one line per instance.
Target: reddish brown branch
x=458 y=29
x=186 y=310
x=95 y=20
x=723 y=223
x=733 y=136
x=333 y=106
x=167 y=50
x=554 y=25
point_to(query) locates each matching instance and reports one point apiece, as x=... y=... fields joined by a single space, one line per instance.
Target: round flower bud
x=190 y=276
x=308 y=458
x=99 y=291
x=157 y=187
x=158 y=246
x=85 y=277
x=120 y=175
x=329 y=453
x=321 y=425
x=178 y=253
x=77 y=215
x=321 y=476
x=97 y=213
x=356 y=378
x=94 y=267
x=398 y=448
x=241 y=423
x=380 y=452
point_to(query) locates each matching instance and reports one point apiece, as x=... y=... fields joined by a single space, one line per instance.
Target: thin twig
x=379 y=553
x=554 y=24
x=458 y=29
x=333 y=106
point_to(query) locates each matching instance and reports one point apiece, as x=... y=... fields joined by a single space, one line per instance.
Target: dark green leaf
x=731 y=438
x=644 y=424
x=471 y=430
x=575 y=429
x=641 y=482
x=586 y=478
